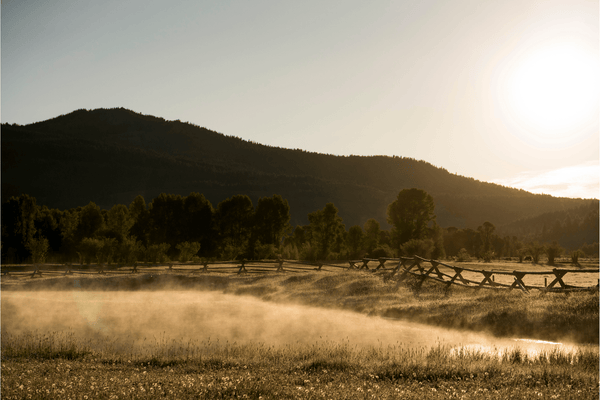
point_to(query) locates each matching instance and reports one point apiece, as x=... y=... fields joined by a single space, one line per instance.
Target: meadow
x=63 y=364
x=54 y=366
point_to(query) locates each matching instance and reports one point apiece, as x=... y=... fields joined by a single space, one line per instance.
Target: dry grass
x=55 y=366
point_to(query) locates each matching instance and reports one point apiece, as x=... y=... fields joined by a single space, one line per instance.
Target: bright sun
x=553 y=91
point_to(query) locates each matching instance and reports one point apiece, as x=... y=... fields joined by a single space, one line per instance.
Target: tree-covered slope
x=111 y=155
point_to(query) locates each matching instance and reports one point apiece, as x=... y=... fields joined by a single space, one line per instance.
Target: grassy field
x=570 y=317
x=58 y=365
x=55 y=366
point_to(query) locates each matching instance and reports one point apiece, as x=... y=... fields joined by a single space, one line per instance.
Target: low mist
x=145 y=317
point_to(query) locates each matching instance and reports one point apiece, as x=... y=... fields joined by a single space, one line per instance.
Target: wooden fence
x=490 y=279
x=406 y=266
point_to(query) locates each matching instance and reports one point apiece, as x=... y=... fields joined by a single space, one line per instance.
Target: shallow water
x=198 y=316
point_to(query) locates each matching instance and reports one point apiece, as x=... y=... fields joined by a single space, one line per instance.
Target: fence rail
x=438 y=272
x=406 y=266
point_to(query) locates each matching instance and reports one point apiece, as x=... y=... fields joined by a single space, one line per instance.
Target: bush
x=230 y=251
x=418 y=247
x=38 y=249
x=536 y=250
x=522 y=252
x=187 y=250
x=157 y=253
x=575 y=256
x=488 y=256
x=130 y=251
x=289 y=252
x=463 y=255
x=553 y=251
x=264 y=251
x=89 y=250
x=590 y=250
x=382 y=252
x=308 y=252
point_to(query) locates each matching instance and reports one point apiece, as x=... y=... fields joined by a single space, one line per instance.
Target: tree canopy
x=410 y=214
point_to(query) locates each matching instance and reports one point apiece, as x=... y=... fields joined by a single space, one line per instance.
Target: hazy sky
x=504 y=91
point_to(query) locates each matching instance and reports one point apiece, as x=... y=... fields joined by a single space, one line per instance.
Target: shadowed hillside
x=109 y=156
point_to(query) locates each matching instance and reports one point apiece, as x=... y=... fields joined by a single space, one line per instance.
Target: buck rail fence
x=406 y=266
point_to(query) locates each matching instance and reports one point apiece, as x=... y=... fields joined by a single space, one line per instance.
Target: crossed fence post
x=280 y=267
x=242 y=267
x=36 y=271
x=518 y=281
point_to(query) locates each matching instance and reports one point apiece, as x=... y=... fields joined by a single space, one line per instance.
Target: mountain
x=109 y=156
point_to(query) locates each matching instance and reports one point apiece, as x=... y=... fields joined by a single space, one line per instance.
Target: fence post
x=518 y=281
x=381 y=262
x=487 y=275
x=406 y=270
x=559 y=274
x=457 y=274
x=280 y=267
x=36 y=271
x=242 y=267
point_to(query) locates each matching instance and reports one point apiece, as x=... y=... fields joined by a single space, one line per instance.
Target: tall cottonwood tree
x=90 y=222
x=234 y=219
x=327 y=229
x=18 y=227
x=272 y=219
x=410 y=214
x=372 y=231
x=199 y=224
x=355 y=241
x=166 y=219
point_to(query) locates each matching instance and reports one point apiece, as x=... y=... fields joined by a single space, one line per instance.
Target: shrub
x=38 y=249
x=89 y=249
x=590 y=250
x=463 y=255
x=308 y=252
x=157 y=253
x=418 y=247
x=289 y=252
x=553 y=251
x=383 y=251
x=229 y=251
x=522 y=252
x=575 y=256
x=488 y=256
x=536 y=250
x=130 y=250
x=264 y=251
x=187 y=250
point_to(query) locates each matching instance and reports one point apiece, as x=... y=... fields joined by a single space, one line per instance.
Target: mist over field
x=146 y=318
x=197 y=316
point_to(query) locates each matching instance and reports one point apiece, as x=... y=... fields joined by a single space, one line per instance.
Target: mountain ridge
x=110 y=155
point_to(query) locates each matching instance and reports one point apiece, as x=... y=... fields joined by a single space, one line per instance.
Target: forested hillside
x=109 y=156
x=570 y=228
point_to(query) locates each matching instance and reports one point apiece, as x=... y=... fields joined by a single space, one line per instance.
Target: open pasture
x=312 y=335
x=185 y=343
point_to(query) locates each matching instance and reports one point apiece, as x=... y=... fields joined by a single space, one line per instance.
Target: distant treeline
x=189 y=228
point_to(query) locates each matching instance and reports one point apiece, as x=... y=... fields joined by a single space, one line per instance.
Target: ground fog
x=145 y=318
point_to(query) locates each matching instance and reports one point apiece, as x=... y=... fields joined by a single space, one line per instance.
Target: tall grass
x=60 y=365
